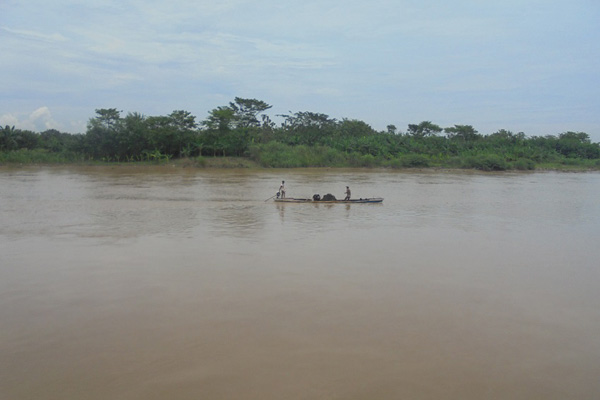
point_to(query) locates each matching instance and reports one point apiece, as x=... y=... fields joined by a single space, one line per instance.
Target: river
x=133 y=282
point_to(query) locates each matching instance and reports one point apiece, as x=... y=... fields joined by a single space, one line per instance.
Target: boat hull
x=351 y=201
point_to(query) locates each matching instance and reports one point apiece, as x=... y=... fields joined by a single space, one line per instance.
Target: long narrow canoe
x=351 y=201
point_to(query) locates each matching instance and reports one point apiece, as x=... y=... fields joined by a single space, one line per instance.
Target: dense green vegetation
x=303 y=139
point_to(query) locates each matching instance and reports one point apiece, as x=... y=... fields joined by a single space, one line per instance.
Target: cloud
x=8 y=119
x=39 y=120
x=28 y=34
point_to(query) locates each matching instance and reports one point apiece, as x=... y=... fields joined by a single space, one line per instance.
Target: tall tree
x=464 y=132
x=8 y=138
x=581 y=137
x=220 y=119
x=107 y=117
x=246 y=111
x=425 y=128
x=307 y=127
x=101 y=137
x=135 y=139
x=183 y=120
x=307 y=119
x=354 y=128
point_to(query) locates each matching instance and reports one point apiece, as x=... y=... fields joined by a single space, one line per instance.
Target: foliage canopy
x=304 y=139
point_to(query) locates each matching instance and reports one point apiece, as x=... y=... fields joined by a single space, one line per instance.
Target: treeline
x=303 y=139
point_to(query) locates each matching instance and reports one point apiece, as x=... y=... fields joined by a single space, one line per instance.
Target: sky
x=529 y=66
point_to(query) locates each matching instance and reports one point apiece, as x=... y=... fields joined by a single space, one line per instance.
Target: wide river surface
x=180 y=283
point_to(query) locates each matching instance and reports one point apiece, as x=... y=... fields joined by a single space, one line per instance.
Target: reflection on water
x=153 y=283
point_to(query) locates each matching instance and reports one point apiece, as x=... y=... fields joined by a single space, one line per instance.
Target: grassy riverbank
x=308 y=158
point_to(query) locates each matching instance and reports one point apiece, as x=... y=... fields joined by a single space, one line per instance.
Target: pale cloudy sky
x=523 y=65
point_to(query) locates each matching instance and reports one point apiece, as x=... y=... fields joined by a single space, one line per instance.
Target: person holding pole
x=347 y=193
x=282 y=190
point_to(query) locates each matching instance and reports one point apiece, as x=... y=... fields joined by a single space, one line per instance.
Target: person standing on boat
x=347 y=193
x=282 y=190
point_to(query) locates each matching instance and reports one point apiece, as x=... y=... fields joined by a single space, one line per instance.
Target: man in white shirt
x=282 y=190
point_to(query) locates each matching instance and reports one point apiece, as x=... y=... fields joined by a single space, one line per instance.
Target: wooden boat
x=351 y=201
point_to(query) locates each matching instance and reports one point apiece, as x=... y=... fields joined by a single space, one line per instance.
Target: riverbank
x=250 y=165
x=30 y=158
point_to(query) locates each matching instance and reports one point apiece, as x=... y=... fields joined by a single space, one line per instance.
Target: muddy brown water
x=174 y=283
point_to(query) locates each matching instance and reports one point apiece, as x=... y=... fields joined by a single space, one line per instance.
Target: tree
x=307 y=119
x=8 y=138
x=507 y=135
x=102 y=131
x=220 y=137
x=580 y=137
x=220 y=119
x=354 y=128
x=166 y=136
x=246 y=111
x=135 y=138
x=425 y=128
x=464 y=132
x=57 y=141
x=107 y=117
x=267 y=129
x=577 y=145
x=307 y=127
x=183 y=120
x=184 y=123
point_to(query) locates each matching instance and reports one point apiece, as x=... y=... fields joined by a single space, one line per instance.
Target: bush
x=524 y=164
x=415 y=161
x=200 y=161
x=279 y=155
x=365 y=161
x=42 y=156
x=272 y=154
x=489 y=162
x=572 y=162
x=409 y=161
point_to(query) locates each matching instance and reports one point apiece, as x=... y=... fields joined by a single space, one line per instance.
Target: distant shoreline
x=226 y=163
